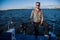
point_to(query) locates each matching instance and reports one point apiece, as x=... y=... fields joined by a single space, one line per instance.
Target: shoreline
x=28 y=9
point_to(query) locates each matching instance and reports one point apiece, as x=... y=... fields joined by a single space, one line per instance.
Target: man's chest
x=37 y=14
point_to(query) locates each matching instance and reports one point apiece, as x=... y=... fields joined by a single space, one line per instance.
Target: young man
x=37 y=16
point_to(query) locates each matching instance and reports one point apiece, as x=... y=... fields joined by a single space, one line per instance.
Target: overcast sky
x=18 y=4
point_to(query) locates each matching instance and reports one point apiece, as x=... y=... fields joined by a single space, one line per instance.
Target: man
x=37 y=16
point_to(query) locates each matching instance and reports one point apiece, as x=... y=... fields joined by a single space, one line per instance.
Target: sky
x=20 y=4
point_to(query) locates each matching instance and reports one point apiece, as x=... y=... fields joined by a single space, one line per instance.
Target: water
x=20 y=16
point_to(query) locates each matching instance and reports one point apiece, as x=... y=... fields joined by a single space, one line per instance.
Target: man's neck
x=37 y=10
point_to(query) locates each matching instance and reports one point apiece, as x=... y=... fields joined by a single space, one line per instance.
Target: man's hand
x=41 y=23
x=31 y=21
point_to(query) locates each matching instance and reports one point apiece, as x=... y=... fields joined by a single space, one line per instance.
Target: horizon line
x=44 y=7
x=28 y=8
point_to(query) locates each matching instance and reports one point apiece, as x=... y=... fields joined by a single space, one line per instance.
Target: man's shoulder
x=33 y=10
x=40 y=9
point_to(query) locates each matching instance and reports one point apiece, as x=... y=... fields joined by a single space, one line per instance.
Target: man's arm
x=31 y=16
x=41 y=17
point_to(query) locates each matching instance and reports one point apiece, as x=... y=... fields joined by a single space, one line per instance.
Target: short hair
x=38 y=2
